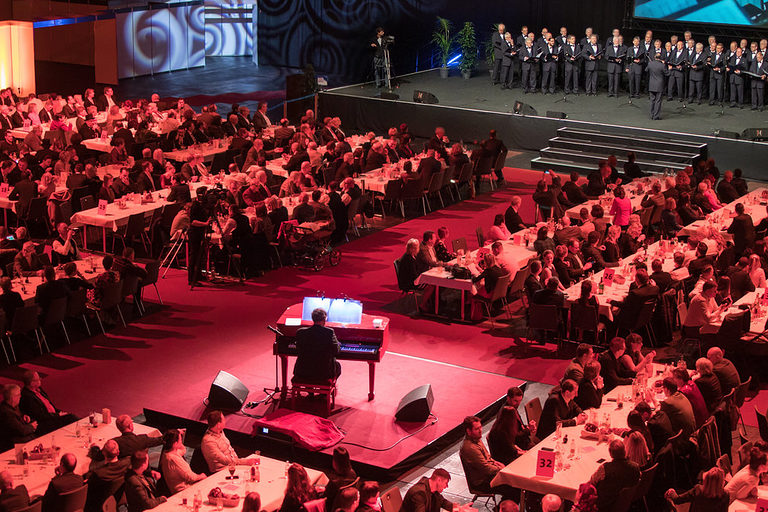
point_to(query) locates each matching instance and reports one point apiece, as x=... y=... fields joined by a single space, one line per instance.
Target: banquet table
x=748 y=504
x=754 y=205
x=271 y=486
x=89 y=266
x=115 y=216
x=38 y=473
x=583 y=456
x=636 y=191
x=207 y=150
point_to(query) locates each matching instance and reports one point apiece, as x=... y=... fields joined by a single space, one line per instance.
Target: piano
x=366 y=341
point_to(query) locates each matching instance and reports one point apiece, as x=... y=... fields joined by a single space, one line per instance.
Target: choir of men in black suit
x=694 y=69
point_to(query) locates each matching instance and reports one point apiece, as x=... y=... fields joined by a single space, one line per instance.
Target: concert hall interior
x=383 y=255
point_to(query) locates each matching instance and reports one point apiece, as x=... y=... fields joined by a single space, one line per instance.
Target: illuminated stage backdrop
x=155 y=40
x=228 y=27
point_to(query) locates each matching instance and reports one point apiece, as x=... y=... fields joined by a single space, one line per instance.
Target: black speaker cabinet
x=227 y=393
x=524 y=109
x=555 y=114
x=755 y=134
x=416 y=405
x=424 y=97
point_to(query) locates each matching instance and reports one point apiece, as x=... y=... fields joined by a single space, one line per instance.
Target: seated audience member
x=427 y=493
x=106 y=479
x=710 y=494
x=560 y=408
x=347 y=500
x=633 y=359
x=369 y=497
x=708 y=384
x=707 y=274
x=408 y=270
x=509 y=436
x=566 y=232
x=742 y=229
x=756 y=272
x=586 y=498
x=73 y=280
x=677 y=408
x=12 y=498
x=744 y=483
x=573 y=191
x=614 y=476
x=9 y=300
x=741 y=282
x=15 y=427
x=478 y=465
x=27 y=263
x=173 y=465
x=643 y=291
x=613 y=372
x=637 y=450
x=703 y=312
x=102 y=281
x=490 y=276
x=550 y=295
x=36 y=404
x=575 y=369
x=216 y=449
x=686 y=386
x=512 y=218
x=341 y=476
x=593 y=255
x=126 y=268
x=426 y=257
x=662 y=279
x=49 y=290
x=140 y=484
x=298 y=490
x=724 y=370
x=499 y=230
x=127 y=442
x=252 y=502
x=590 y=395
x=441 y=246
x=551 y=503
x=533 y=280
x=543 y=242
x=66 y=480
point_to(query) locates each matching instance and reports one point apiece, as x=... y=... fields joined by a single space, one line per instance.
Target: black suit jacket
x=743 y=232
x=513 y=220
x=613 y=373
x=549 y=297
x=58 y=485
x=130 y=443
x=556 y=411
x=48 y=292
x=13 y=428
x=14 y=499
x=420 y=498
x=589 y=397
x=141 y=492
x=633 y=302
x=23 y=191
x=741 y=283
x=103 y=482
x=33 y=407
x=427 y=167
x=179 y=194
x=374 y=160
x=317 y=347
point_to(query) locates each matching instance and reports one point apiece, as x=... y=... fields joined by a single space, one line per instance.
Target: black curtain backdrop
x=334 y=35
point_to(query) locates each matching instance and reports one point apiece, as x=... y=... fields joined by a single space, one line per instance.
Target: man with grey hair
x=15 y=426
x=128 y=443
x=512 y=217
x=12 y=498
x=316 y=348
x=376 y=158
x=726 y=372
x=407 y=267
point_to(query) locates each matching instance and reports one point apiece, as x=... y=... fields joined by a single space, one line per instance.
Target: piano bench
x=326 y=389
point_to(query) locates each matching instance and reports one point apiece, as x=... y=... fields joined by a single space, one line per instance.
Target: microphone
x=274 y=330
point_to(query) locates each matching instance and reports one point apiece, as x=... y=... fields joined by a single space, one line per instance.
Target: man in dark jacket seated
x=12 y=498
x=425 y=495
x=317 y=347
x=15 y=427
x=560 y=408
x=36 y=404
x=140 y=484
x=129 y=443
x=66 y=480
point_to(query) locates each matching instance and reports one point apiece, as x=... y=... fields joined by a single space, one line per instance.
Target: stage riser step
x=565 y=167
x=641 y=153
x=671 y=145
x=593 y=159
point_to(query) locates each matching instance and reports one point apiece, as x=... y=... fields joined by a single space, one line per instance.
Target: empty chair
x=77 y=306
x=55 y=314
x=111 y=297
x=392 y=500
x=459 y=243
x=153 y=271
x=25 y=321
x=533 y=410
x=87 y=202
x=392 y=191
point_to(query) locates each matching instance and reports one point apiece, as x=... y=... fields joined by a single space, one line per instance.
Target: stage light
x=17 y=57
x=454 y=59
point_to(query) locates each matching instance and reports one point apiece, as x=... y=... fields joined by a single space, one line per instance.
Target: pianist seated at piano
x=316 y=348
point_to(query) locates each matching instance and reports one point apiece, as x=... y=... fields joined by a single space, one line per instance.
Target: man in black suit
x=179 y=190
x=106 y=100
x=741 y=283
x=376 y=158
x=615 y=54
x=106 y=480
x=492 y=148
x=742 y=229
x=49 y=290
x=512 y=218
x=571 y=53
x=549 y=58
x=726 y=192
x=508 y=62
x=23 y=191
x=697 y=62
x=26 y=262
x=428 y=166
x=129 y=443
x=629 y=308
x=550 y=296
x=637 y=56
x=12 y=498
x=662 y=279
x=89 y=129
x=676 y=70
x=260 y=118
x=499 y=46
x=230 y=127
x=757 y=85
x=736 y=64
x=36 y=404
x=592 y=54
x=656 y=73
x=317 y=347
x=297 y=156
x=425 y=495
x=522 y=38
x=527 y=56
x=613 y=373
x=611 y=478
x=561 y=408
x=717 y=63
x=66 y=480
x=15 y=427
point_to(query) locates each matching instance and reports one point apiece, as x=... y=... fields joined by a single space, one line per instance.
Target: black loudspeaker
x=755 y=134
x=389 y=96
x=227 y=393
x=424 y=97
x=555 y=114
x=524 y=109
x=298 y=86
x=416 y=405
x=726 y=134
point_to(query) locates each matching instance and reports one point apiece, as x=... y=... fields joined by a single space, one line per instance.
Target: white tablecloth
x=271 y=487
x=207 y=150
x=39 y=473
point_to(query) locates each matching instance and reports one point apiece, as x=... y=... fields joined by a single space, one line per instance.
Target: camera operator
x=378 y=44
x=199 y=221
x=64 y=246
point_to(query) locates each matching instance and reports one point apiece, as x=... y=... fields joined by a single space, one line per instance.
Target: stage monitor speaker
x=416 y=405
x=726 y=134
x=556 y=115
x=524 y=109
x=755 y=134
x=389 y=96
x=227 y=393
x=424 y=97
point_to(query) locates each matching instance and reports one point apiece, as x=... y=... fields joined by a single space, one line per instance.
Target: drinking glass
x=231 y=469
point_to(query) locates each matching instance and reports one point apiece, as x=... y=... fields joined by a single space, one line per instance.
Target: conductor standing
x=656 y=73
x=499 y=45
x=379 y=63
x=317 y=347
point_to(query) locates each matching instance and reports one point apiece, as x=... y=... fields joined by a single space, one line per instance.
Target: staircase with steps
x=580 y=149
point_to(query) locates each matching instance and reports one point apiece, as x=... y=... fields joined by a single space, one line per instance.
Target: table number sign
x=102 y=206
x=545 y=464
x=4 y=189
x=608 y=276
x=762 y=505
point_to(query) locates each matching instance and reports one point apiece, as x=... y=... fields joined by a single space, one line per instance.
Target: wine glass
x=231 y=469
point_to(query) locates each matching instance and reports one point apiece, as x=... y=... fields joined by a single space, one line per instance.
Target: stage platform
x=458 y=391
x=469 y=108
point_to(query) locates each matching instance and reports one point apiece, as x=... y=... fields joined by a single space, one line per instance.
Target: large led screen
x=724 y=12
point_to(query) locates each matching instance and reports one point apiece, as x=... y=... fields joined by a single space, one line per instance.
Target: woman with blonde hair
x=756 y=272
x=708 y=496
x=637 y=449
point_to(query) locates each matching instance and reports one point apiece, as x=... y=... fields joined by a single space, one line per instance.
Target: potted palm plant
x=468 y=44
x=489 y=49
x=441 y=38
